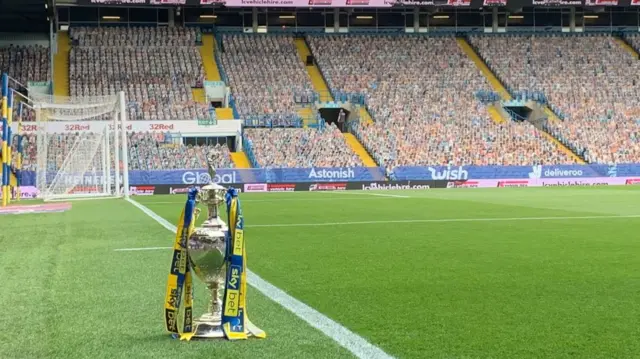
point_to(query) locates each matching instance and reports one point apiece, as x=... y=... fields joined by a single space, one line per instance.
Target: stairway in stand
x=198 y=95
x=208 y=60
x=495 y=114
x=357 y=147
x=211 y=74
x=365 y=117
x=497 y=86
x=627 y=46
x=319 y=85
x=61 y=65
x=240 y=160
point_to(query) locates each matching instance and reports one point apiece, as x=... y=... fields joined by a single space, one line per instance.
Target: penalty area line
x=349 y=340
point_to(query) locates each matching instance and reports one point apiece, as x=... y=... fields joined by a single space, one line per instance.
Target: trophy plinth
x=207 y=248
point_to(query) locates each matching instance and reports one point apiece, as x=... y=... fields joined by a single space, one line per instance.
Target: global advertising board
x=354 y=174
x=227 y=176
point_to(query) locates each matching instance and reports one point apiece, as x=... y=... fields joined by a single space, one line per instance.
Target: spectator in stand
x=265 y=74
x=423 y=105
x=283 y=148
x=26 y=63
x=590 y=80
x=156 y=67
x=147 y=151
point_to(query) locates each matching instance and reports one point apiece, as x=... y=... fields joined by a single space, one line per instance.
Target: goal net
x=81 y=147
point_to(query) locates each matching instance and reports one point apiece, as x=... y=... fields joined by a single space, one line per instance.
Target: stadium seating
x=147 y=151
x=156 y=67
x=26 y=63
x=591 y=80
x=634 y=40
x=423 y=105
x=280 y=148
x=264 y=73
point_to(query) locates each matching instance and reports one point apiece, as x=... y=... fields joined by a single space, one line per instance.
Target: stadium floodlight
x=93 y=162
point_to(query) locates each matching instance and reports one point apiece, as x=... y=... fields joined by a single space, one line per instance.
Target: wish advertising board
x=356 y=174
x=514 y=172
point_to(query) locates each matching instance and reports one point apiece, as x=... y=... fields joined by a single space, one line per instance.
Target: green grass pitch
x=464 y=273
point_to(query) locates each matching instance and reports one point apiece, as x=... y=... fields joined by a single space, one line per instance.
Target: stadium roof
x=25 y=15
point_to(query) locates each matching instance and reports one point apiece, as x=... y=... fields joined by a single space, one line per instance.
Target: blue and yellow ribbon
x=235 y=322
x=180 y=279
x=4 y=109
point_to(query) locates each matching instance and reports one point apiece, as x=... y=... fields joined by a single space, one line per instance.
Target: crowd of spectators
x=147 y=151
x=26 y=63
x=423 y=105
x=591 y=80
x=301 y=147
x=265 y=75
x=634 y=40
x=135 y=36
x=156 y=67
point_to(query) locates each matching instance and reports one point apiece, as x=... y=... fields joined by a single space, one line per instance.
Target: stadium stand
x=300 y=147
x=264 y=74
x=626 y=40
x=591 y=81
x=156 y=67
x=147 y=151
x=423 y=105
x=26 y=63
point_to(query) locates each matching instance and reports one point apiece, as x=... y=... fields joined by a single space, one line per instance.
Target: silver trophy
x=207 y=247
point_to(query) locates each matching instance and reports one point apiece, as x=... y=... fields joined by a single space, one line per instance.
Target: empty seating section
x=298 y=147
x=264 y=73
x=26 y=63
x=591 y=80
x=147 y=151
x=420 y=93
x=156 y=67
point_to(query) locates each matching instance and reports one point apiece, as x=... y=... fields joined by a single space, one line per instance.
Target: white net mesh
x=77 y=146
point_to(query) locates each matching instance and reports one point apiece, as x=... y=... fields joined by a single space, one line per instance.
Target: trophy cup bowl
x=207 y=247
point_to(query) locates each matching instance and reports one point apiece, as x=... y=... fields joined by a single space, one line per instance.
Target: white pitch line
x=343 y=336
x=368 y=194
x=294 y=199
x=443 y=220
x=140 y=249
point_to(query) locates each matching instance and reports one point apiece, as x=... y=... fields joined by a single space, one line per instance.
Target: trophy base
x=208 y=330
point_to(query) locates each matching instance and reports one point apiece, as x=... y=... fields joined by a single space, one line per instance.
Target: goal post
x=81 y=147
